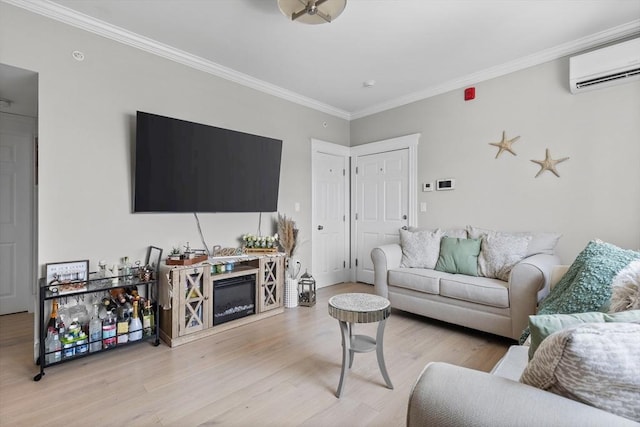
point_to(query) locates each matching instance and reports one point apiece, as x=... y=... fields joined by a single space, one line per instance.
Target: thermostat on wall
x=445 y=184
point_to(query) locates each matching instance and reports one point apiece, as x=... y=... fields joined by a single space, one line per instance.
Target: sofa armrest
x=528 y=284
x=384 y=258
x=451 y=396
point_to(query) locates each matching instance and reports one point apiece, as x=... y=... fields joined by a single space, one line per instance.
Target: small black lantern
x=307 y=290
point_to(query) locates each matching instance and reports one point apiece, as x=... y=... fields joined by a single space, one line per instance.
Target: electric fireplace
x=234 y=298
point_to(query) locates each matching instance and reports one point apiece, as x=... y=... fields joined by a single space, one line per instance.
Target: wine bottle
x=135 y=325
x=53 y=319
x=122 y=327
x=146 y=319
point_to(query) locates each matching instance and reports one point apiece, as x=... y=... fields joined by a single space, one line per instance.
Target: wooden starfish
x=548 y=164
x=505 y=144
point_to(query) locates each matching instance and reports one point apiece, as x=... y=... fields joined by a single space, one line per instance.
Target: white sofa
x=487 y=304
x=446 y=395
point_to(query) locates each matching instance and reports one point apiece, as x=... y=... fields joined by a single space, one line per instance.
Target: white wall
x=87 y=136
x=598 y=192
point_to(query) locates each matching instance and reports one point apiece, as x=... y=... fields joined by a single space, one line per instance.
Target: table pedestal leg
x=380 y=353
x=347 y=360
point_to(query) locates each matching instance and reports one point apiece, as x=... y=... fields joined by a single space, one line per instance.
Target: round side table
x=360 y=308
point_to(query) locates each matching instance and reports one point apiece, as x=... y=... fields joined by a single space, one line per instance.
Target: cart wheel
x=38 y=377
x=156 y=343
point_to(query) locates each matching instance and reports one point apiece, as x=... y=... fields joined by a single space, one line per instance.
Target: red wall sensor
x=469 y=93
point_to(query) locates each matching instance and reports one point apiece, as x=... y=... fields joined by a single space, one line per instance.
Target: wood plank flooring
x=282 y=371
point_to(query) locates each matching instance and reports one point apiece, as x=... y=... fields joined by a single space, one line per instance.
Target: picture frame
x=67 y=271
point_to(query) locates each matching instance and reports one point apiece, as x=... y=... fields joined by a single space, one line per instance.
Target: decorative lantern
x=307 y=290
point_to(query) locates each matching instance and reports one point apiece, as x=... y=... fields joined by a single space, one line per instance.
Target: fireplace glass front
x=234 y=298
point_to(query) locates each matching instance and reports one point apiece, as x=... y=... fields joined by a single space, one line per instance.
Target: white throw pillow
x=499 y=252
x=541 y=242
x=420 y=248
x=625 y=289
x=594 y=363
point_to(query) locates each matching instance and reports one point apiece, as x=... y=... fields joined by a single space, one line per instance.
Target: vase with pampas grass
x=288 y=239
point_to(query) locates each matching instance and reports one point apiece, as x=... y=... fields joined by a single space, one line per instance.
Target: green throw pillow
x=542 y=326
x=459 y=256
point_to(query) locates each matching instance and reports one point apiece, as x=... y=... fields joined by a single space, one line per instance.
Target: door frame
x=408 y=142
x=324 y=147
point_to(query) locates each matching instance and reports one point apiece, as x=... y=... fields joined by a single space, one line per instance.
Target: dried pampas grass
x=287 y=234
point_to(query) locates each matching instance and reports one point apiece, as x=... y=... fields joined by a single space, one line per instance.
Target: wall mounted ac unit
x=611 y=65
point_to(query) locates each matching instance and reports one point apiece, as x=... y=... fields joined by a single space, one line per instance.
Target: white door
x=330 y=218
x=382 y=204
x=16 y=201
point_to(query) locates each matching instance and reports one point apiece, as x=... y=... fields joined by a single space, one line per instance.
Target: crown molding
x=595 y=40
x=68 y=16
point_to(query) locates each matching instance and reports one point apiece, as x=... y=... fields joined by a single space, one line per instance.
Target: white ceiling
x=411 y=48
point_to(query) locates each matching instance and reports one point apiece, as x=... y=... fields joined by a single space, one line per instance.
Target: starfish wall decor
x=505 y=144
x=549 y=164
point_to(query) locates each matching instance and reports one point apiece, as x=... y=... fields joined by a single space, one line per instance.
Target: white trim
x=96 y=26
x=551 y=54
x=79 y=20
x=318 y=146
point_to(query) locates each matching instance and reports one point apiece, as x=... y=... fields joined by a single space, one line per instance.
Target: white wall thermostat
x=445 y=184
x=427 y=186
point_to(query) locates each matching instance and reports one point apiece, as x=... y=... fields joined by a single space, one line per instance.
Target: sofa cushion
x=420 y=248
x=593 y=363
x=512 y=363
x=586 y=286
x=480 y=290
x=540 y=243
x=543 y=325
x=500 y=252
x=459 y=256
x=417 y=279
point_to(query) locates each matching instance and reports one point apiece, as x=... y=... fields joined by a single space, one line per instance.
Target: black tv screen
x=182 y=166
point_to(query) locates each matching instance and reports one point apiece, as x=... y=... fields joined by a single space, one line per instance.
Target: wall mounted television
x=182 y=166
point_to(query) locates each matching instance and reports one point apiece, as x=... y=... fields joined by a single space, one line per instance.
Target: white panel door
x=16 y=192
x=382 y=204
x=329 y=218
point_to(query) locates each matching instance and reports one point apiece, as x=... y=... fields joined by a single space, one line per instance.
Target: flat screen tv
x=182 y=166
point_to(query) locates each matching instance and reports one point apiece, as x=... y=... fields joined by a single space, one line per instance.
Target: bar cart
x=98 y=288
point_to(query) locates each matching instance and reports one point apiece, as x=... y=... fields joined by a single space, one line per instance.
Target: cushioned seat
x=481 y=290
x=417 y=279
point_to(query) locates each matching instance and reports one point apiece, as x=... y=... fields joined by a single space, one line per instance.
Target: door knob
x=404 y=217
x=405 y=228
x=320 y=227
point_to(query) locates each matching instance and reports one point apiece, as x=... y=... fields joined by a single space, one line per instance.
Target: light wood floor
x=282 y=371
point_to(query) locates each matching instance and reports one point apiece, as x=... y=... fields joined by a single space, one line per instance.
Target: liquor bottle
x=53 y=346
x=109 y=331
x=147 y=325
x=135 y=325
x=95 y=330
x=125 y=269
x=122 y=327
x=53 y=319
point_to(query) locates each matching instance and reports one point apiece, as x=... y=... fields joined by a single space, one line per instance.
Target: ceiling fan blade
x=298 y=14
x=324 y=16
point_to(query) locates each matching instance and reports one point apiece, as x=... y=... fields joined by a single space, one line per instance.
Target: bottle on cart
x=53 y=319
x=125 y=269
x=95 y=330
x=147 y=323
x=135 y=325
x=53 y=346
x=122 y=329
x=109 y=331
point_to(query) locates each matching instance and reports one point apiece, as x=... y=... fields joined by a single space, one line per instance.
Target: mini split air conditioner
x=609 y=66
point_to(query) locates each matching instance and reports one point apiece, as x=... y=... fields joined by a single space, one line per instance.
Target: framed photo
x=67 y=272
